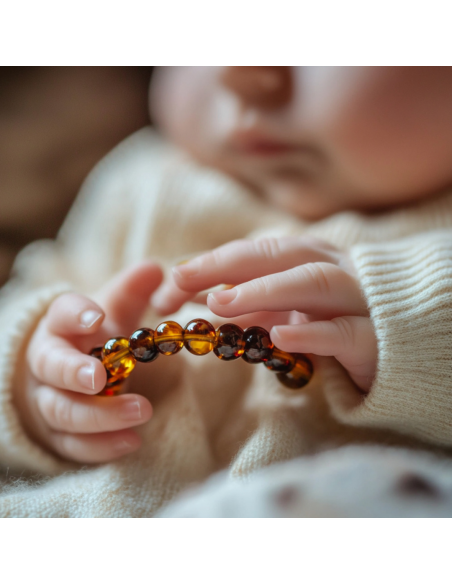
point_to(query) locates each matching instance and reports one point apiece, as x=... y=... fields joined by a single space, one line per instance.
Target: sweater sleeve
x=408 y=288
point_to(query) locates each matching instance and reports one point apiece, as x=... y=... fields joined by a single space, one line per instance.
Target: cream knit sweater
x=146 y=200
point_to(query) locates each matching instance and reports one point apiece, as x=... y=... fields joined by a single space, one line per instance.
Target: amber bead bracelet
x=119 y=355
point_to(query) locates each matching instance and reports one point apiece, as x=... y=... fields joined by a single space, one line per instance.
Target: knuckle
x=268 y=248
x=94 y=421
x=58 y=412
x=60 y=303
x=225 y=253
x=65 y=372
x=39 y=364
x=260 y=286
x=317 y=275
x=217 y=257
x=346 y=332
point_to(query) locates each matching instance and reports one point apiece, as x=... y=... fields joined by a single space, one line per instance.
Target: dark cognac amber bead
x=299 y=376
x=199 y=337
x=117 y=358
x=142 y=345
x=229 y=342
x=258 y=346
x=96 y=352
x=169 y=337
x=280 y=361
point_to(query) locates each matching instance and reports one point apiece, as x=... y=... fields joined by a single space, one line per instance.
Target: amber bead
x=229 y=342
x=280 y=361
x=299 y=376
x=199 y=337
x=117 y=358
x=97 y=353
x=258 y=346
x=169 y=337
x=142 y=345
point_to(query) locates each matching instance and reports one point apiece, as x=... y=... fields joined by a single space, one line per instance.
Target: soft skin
x=314 y=280
x=312 y=141
x=362 y=138
x=57 y=403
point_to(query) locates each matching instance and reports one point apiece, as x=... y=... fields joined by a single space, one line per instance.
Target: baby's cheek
x=180 y=101
x=388 y=135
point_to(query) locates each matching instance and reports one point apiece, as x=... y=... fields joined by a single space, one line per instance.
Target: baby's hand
x=300 y=274
x=56 y=402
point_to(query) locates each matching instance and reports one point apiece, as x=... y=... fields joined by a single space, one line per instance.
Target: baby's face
x=315 y=140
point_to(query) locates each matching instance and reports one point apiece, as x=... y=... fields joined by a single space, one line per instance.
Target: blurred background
x=55 y=124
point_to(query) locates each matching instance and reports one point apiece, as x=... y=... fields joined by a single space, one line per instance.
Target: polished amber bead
x=280 y=361
x=229 y=342
x=258 y=346
x=97 y=353
x=199 y=337
x=169 y=337
x=300 y=375
x=117 y=358
x=142 y=345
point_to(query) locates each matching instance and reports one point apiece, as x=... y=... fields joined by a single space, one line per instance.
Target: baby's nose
x=265 y=87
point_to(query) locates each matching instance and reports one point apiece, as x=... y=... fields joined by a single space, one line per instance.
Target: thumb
x=126 y=296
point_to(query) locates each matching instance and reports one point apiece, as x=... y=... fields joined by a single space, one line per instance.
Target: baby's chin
x=308 y=205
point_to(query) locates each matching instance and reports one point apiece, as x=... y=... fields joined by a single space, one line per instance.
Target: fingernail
x=85 y=376
x=123 y=446
x=89 y=317
x=188 y=270
x=224 y=297
x=130 y=411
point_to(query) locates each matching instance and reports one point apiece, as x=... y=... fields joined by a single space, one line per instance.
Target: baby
x=334 y=230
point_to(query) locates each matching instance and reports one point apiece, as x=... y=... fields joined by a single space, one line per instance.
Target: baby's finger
x=351 y=339
x=321 y=289
x=95 y=448
x=126 y=297
x=170 y=298
x=55 y=362
x=243 y=260
x=74 y=314
x=81 y=414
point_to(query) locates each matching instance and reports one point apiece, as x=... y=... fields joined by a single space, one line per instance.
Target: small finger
x=321 y=289
x=95 y=448
x=169 y=298
x=351 y=339
x=74 y=314
x=81 y=414
x=243 y=260
x=126 y=297
x=58 y=364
